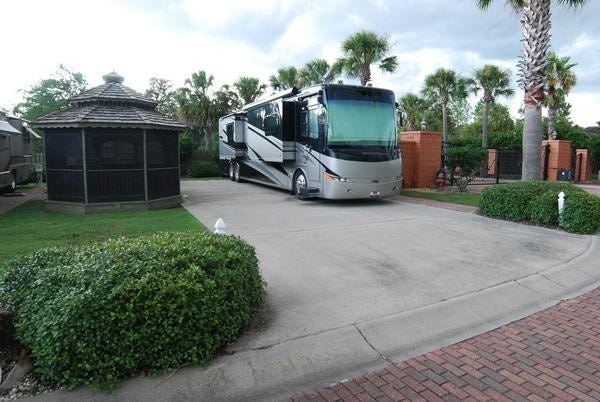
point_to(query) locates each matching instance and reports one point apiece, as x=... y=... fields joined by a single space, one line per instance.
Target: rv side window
x=313 y=124
x=229 y=132
x=304 y=124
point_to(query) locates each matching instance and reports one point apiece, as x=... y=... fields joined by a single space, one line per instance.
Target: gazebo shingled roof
x=111 y=104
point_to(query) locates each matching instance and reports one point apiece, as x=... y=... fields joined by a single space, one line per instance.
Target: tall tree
x=249 y=89
x=535 y=22
x=286 y=78
x=161 y=91
x=493 y=81
x=362 y=49
x=316 y=71
x=225 y=101
x=50 y=94
x=560 y=79
x=195 y=107
x=414 y=106
x=441 y=87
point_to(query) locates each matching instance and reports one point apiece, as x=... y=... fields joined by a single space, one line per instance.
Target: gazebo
x=110 y=150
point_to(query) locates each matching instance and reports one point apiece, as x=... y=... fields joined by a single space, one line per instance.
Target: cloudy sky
x=141 y=39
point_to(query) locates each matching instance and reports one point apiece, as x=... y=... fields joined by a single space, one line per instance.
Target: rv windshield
x=360 y=117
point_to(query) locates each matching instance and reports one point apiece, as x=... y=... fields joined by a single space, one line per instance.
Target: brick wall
x=559 y=158
x=422 y=157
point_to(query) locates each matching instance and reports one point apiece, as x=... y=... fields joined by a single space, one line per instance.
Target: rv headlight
x=330 y=177
x=343 y=179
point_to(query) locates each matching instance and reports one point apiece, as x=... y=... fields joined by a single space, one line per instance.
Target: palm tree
x=287 y=77
x=441 y=87
x=316 y=71
x=559 y=81
x=195 y=108
x=535 y=22
x=249 y=89
x=494 y=82
x=361 y=50
x=414 y=106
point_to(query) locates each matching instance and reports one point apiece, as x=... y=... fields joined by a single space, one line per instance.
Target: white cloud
x=145 y=38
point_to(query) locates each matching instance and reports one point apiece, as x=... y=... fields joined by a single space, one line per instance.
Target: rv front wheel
x=299 y=183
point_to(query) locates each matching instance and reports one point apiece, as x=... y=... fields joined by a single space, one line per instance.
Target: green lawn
x=29 y=227
x=456 y=198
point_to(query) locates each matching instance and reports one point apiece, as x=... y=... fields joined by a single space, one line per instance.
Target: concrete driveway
x=329 y=264
x=355 y=285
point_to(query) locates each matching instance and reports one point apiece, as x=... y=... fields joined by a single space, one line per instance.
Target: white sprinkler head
x=220 y=226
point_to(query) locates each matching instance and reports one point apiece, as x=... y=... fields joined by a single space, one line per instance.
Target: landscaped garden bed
x=537 y=203
x=106 y=311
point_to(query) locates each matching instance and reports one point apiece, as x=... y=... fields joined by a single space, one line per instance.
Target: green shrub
x=543 y=210
x=582 y=213
x=513 y=201
x=205 y=169
x=103 y=312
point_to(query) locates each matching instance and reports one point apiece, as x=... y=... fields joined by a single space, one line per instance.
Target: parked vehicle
x=16 y=151
x=327 y=141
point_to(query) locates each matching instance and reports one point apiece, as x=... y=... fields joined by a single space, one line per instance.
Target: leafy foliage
x=249 y=89
x=286 y=78
x=97 y=314
x=51 y=94
x=362 y=49
x=205 y=169
x=161 y=90
x=316 y=71
x=537 y=202
x=582 y=213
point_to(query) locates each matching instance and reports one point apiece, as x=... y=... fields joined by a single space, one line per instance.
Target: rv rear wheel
x=299 y=182
x=236 y=172
x=231 y=169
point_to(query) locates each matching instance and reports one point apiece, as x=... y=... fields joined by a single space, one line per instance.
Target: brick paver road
x=550 y=355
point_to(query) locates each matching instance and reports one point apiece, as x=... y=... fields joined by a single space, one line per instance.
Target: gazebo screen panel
x=115 y=164
x=163 y=163
x=64 y=165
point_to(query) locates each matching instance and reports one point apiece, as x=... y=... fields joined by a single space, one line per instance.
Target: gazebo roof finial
x=113 y=77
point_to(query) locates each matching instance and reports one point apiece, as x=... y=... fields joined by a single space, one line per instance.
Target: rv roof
x=7 y=128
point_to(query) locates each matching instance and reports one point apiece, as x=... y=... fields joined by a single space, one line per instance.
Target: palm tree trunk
x=365 y=75
x=484 y=129
x=535 y=20
x=552 y=135
x=532 y=143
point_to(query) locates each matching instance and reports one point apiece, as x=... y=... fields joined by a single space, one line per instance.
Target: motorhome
x=16 y=151
x=329 y=141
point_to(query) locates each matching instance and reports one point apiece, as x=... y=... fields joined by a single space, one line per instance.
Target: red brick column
x=409 y=163
x=559 y=158
x=585 y=165
x=428 y=156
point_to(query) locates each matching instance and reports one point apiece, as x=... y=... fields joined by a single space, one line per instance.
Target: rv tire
x=236 y=172
x=231 y=169
x=299 y=181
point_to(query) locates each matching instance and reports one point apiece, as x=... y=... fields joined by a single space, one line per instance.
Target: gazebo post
x=145 y=167
x=84 y=159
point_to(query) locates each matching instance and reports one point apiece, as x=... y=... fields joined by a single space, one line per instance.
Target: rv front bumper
x=356 y=189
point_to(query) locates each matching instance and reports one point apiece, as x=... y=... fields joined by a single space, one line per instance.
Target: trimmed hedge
x=537 y=202
x=100 y=313
x=543 y=210
x=205 y=169
x=582 y=213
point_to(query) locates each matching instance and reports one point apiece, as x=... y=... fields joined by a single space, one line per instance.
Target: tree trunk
x=535 y=20
x=532 y=143
x=365 y=75
x=552 y=135
x=444 y=122
x=484 y=129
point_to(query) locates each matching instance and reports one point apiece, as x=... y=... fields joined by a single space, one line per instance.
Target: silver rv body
x=327 y=141
x=16 y=142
